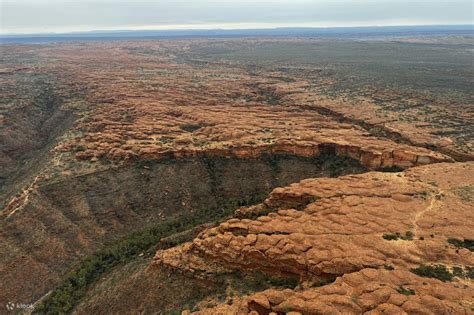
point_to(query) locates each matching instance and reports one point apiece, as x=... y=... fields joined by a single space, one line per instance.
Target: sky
x=60 y=16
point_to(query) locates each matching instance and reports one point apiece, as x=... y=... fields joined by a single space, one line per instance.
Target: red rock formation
x=319 y=229
x=368 y=291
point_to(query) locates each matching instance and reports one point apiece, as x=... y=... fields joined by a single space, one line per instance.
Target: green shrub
x=393 y=237
x=307 y=202
x=290 y=283
x=388 y=267
x=405 y=291
x=391 y=169
x=255 y=215
x=190 y=127
x=466 y=243
x=439 y=272
x=248 y=283
x=467 y=273
x=457 y=271
x=286 y=308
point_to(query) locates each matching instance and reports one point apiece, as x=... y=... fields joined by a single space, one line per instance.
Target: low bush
x=439 y=272
x=469 y=244
x=393 y=237
x=388 y=267
x=406 y=291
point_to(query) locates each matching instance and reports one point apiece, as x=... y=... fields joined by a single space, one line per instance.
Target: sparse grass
x=286 y=308
x=465 y=193
x=241 y=284
x=354 y=299
x=285 y=79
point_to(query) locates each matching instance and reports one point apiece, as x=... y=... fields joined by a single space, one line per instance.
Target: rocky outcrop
x=381 y=155
x=321 y=229
x=367 y=291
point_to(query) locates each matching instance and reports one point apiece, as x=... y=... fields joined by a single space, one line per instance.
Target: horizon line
x=226 y=27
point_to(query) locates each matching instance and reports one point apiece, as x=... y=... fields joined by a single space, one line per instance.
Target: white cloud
x=75 y=15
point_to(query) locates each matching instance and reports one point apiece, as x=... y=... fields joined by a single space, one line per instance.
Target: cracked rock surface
x=366 y=231
x=368 y=291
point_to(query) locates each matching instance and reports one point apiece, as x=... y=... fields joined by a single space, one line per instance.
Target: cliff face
x=77 y=215
x=351 y=229
x=225 y=117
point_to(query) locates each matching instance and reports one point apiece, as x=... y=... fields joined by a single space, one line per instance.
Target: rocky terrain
x=300 y=174
x=376 y=235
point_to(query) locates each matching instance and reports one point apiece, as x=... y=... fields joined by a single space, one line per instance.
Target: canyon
x=212 y=176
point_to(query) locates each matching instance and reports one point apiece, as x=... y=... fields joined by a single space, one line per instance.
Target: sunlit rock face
x=367 y=232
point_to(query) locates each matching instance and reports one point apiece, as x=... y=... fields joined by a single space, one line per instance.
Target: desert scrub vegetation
x=328 y=162
x=190 y=127
x=406 y=291
x=73 y=288
x=247 y=283
x=467 y=273
x=469 y=244
x=306 y=202
x=439 y=272
x=237 y=283
x=397 y=236
x=391 y=169
x=388 y=267
x=252 y=215
x=465 y=193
